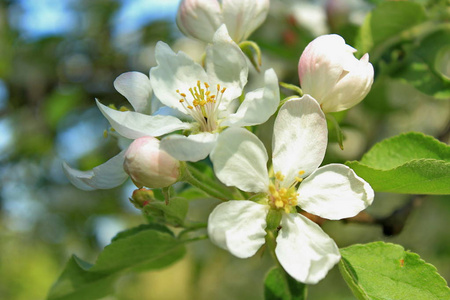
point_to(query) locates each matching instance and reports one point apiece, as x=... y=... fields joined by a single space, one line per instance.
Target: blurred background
x=56 y=57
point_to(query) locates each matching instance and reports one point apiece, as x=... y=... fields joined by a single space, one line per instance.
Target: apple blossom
x=333 y=191
x=136 y=88
x=330 y=73
x=150 y=166
x=200 y=19
x=204 y=99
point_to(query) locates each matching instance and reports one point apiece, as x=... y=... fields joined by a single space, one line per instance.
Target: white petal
x=321 y=65
x=304 y=250
x=199 y=18
x=136 y=87
x=134 y=125
x=334 y=192
x=238 y=226
x=299 y=139
x=174 y=72
x=352 y=88
x=240 y=159
x=258 y=105
x=242 y=17
x=194 y=147
x=105 y=176
x=226 y=65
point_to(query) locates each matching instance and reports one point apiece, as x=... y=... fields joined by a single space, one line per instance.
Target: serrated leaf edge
x=428 y=265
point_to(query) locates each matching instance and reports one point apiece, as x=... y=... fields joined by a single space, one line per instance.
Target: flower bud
x=199 y=19
x=142 y=197
x=150 y=166
x=331 y=74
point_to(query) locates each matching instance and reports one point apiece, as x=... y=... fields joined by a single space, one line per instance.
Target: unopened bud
x=150 y=166
x=330 y=73
x=142 y=197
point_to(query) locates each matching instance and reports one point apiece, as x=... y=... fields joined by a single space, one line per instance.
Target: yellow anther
x=190 y=107
x=206 y=85
x=279 y=176
x=198 y=83
x=298 y=179
x=183 y=95
x=301 y=172
x=223 y=90
x=178 y=91
x=218 y=87
x=105 y=133
x=181 y=100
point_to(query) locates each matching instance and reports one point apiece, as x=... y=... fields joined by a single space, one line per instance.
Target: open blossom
x=137 y=89
x=204 y=99
x=201 y=18
x=333 y=191
x=331 y=74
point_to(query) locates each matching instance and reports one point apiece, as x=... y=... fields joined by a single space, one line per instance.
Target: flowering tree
x=206 y=140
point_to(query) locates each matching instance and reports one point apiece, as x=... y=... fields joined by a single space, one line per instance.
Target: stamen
x=202 y=105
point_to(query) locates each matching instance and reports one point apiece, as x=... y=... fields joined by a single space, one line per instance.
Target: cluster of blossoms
x=208 y=104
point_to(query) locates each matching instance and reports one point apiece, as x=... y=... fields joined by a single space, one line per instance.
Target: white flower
x=205 y=98
x=333 y=191
x=331 y=74
x=137 y=89
x=201 y=18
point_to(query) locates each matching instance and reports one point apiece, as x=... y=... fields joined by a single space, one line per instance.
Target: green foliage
x=174 y=212
x=387 y=20
x=407 y=43
x=425 y=63
x=410 y=163
x=280 y=286
x=386 y=271
x=138 y=249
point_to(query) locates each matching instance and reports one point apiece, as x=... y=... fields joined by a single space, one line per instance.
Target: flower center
x=203 y=106
x=282 y=197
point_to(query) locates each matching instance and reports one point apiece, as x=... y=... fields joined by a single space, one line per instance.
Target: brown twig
x=392 y=224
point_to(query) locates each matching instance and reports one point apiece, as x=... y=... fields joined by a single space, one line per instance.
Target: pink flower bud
x=201 y=18
x=150 y=166
x=331 y=74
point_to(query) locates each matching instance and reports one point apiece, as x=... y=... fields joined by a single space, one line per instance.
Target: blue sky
x=54 y=17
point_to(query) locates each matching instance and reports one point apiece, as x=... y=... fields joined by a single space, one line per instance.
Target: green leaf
x=386 y=271
x=410 y=163
x=174 y=212
x=392 y=17
x=388 y=19
x=425 y=68
x=76 y=282
x=134 y=250
x=142 y=227
x=280 y=286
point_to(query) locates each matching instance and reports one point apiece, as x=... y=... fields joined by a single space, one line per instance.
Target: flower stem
x=192 y=227
x=197 y=238
x=189 y=178
x=212 y=183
